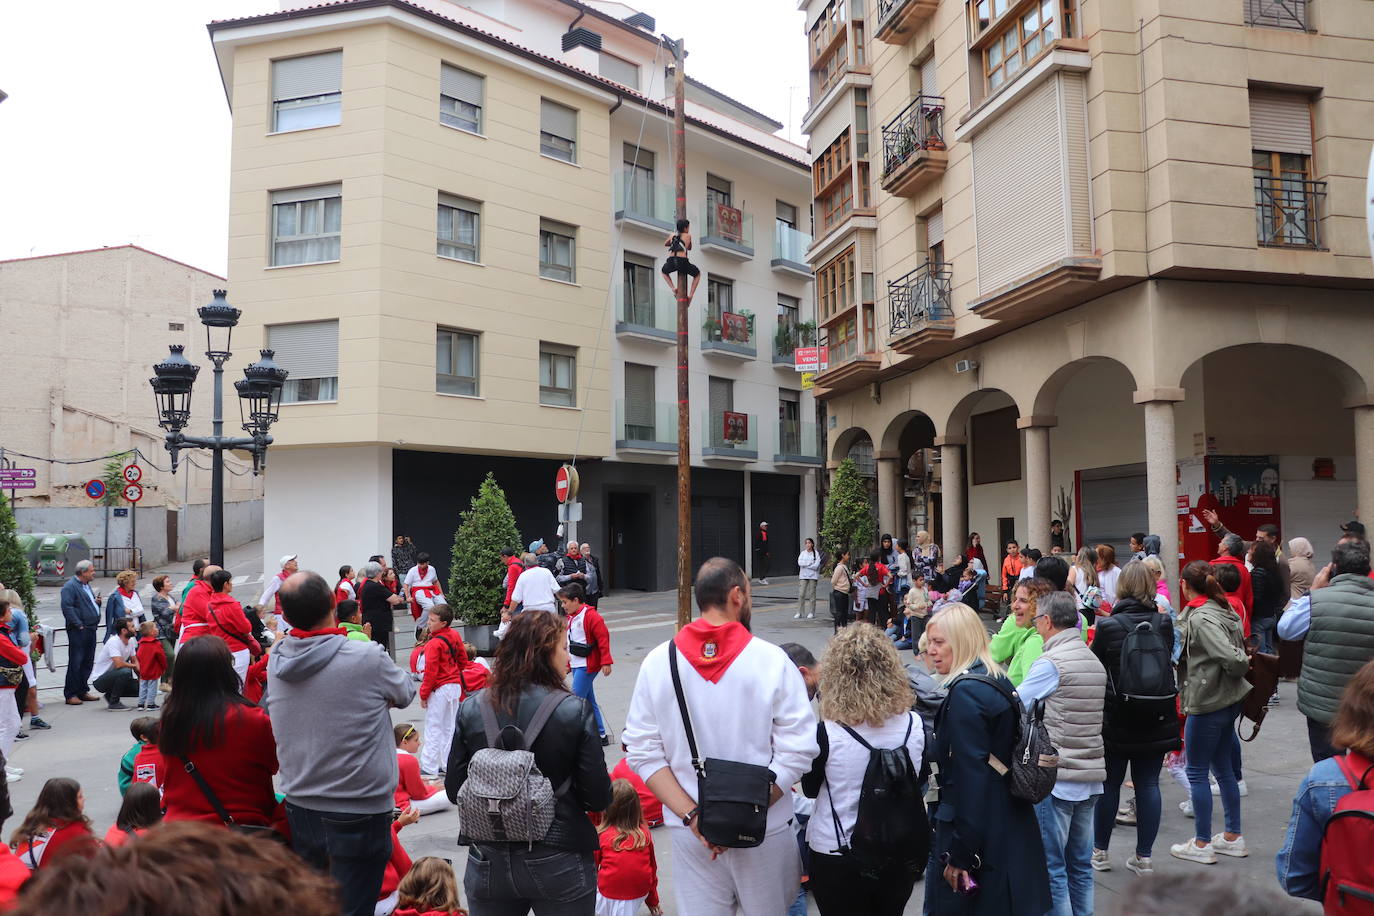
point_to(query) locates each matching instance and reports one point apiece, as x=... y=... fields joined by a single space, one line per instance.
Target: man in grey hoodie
x=329 y=699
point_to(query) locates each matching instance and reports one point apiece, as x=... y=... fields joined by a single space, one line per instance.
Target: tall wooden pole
x=684 y=417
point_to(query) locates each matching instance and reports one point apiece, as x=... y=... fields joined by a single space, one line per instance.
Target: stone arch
x=842 y=443
x=1048 y=394
x=957 y=421
x=900 y=429
x=1354 y=386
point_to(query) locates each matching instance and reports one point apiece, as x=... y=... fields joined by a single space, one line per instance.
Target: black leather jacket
x=568 y=747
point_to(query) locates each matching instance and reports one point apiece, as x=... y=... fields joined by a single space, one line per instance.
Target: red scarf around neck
x=127 y=593
x=711 y=649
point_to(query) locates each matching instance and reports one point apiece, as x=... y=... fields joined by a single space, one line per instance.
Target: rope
x=120 y=454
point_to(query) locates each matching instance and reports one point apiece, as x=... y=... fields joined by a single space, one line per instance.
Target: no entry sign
x=565 y=483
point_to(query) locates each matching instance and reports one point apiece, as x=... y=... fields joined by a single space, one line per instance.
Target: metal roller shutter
x=639 y=395
x=460 y=84
x=1280 y=122
x=929 y=83
x=1114 y=507
x=1074 y=106
x=302 y=77
x=309 y=349
x=935 y=228
x=556 y=119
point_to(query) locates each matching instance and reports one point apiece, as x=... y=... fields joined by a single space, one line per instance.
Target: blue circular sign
x=95 y=489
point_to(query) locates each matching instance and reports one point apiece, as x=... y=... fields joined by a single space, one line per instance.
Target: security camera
x=965 y=365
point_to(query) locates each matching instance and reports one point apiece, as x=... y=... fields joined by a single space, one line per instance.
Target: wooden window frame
x=834 y=284
x=1011 y=21
x=834 y=182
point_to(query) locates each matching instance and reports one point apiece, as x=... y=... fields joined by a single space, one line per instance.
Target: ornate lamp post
x=259 y=391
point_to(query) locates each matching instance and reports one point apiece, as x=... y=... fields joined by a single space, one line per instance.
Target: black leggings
x=840 y=889
x=681 y=266
x=839 y=608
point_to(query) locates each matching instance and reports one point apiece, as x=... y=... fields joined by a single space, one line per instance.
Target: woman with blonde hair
x=985 y=839
x=124 y=601
x=1083 y=573
x=865 y=704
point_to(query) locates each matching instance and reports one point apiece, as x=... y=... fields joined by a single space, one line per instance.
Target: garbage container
x=29 y=544
x=58 y=555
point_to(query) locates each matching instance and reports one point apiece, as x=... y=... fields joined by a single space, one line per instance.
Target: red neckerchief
x=126 y=592
x=1199 y=601
x=711 y=649
x=327 y=631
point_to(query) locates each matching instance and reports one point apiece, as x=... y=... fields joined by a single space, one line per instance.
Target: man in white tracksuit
x=748 y=703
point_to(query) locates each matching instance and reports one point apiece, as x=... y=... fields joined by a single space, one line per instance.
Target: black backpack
x=892 y=821
x=1146 y=671
x=1034 y=765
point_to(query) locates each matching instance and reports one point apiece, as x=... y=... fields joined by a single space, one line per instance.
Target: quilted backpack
x=1034 y=765
x=506 y=799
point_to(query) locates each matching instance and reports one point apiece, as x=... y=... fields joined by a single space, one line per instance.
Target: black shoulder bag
x=254 y=831
x=732 y=797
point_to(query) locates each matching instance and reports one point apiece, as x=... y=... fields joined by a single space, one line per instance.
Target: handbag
x=732 y=797
x=248 y=830
x=1263 y=677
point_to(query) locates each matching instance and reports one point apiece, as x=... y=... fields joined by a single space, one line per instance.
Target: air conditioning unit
x=965 y=365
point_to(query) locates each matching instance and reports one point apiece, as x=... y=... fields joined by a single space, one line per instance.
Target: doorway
x=630 y=518
x=1006 y=533
x=171 y=515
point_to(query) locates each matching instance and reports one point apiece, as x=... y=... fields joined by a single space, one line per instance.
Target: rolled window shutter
x=559 y=120
x=301 y=77
x=460 y=84
x=318 y=192
x=935 y=228
x=720 y=394
x=639 y=395
x=1280 y=122
x=307 y=349
x=929 y=83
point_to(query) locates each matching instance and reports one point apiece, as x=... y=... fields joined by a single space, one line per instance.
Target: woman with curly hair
x=865 y=704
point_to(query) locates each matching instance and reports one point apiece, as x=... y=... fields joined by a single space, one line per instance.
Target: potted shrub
x=477 y=573
x=711 y=328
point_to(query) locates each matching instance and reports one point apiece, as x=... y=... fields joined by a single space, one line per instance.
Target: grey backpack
x=505 y=798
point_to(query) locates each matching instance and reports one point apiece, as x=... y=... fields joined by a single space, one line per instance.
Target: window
x=557 y=375
x=1012 y=33
x=789 y=311
x=786 y=215
x=557 y=251
x=720 y=296
x=176 y=325
x=309 y=351
x=455 y=362
x=720 y=397
x=460 y=98
x=843 y=336
x=835 y=285
x=718 y=192
x=306 y=225
x=639 y=291
x=639 y=180
x=557 y=131
x=639 y=403
x=861 y=122
x=459 y=230
x=995 y=444
x=830 y=48
x=828 y=25
x=834 y=182
x=619 y=69
x=1286 y=197
x=789 y=422
x=306 y=93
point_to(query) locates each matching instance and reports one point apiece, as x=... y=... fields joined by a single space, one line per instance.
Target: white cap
x=763 y=524
x=287 y=559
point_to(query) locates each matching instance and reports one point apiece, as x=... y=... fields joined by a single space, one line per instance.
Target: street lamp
x=259 y=392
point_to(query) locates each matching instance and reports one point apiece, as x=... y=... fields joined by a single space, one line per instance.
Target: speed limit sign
x=133 y=492
x=132 y=473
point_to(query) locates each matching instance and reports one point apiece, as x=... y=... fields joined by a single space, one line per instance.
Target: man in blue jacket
x=81 y=610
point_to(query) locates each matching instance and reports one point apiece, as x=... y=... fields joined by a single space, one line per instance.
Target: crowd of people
x=988 y=768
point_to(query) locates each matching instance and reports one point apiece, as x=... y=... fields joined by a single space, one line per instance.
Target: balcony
x=898 y=19
x=1288 y=212
x=729 y=435
x=798 y=444
x=788 y=337
x=644 y=203
x=649 y=315
x=729 y=231
x=646 y=427
x=847 y=367
x=914 y=152
x=730 y=335
x=1277 y=14
x=920 y=316
x=789 y=251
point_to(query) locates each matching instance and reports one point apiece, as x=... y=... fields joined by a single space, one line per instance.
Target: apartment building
x=448 y=222
x=92 y=324
x=1117 y=270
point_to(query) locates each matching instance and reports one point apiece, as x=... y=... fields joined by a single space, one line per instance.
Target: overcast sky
x=116 y=129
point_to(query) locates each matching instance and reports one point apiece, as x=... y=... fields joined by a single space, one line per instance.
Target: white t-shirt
x=113 y=649
x=413 y=577
x=1106 y=580
x=577 y=632
x=844 y=775
x=534 y=589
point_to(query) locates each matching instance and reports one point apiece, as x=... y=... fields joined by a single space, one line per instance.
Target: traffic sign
x=17 y=474
x=11 y=484
x=565 y=483
x=121 y=511
x=132 y=473
x=133 y=492
x=95 y=489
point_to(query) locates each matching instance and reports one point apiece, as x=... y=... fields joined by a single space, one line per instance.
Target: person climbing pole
x=678 y=244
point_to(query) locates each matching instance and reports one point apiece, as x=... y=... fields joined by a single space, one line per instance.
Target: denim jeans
x=1263 y=628
x=352 y=848
x=511 y=880
x=1066 y=828
x=1207 y=738
x=1319 y=741
x=582 y=686
x=1148 y=803
x=147 y=692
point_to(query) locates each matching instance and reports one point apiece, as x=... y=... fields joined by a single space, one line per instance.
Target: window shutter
x=556 y=119
x=721 y=394
x=300 y=77
x=935 y=228
x=929 y=84
x=620 y=70
x=306 y=350
x=639 y=395
x=786 y=213
x=639 y=157
x=461 y=85
x=318 y=192
x=1280 y=122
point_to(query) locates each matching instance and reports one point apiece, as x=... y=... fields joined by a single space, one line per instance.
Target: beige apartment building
x=1106 y=258
x=447 y=220
x=86 y=328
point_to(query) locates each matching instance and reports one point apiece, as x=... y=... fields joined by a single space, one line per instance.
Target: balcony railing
x=1277 y=14
x=646 y=313
x=789 y=249
x=730 y=434
x=643 y=200
x=731 y=333
x=788 y=337
x=728 y=229
x=919 y=298
x=798 y=443
x=646 y=425
x=1288 y=211
x=920 y=126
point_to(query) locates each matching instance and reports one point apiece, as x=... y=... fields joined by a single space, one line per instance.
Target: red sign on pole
x=736 y=426
x=565 y=483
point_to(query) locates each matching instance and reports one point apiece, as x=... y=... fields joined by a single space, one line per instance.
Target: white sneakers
x=1099 y=861
x=1140 y=865
x=1224 y=847
x=1192 y=852
x=797 y=616
x=1186 y=806
x=13 y=774
x=1240 y=784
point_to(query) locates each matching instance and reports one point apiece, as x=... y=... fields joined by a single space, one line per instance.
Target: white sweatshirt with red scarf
x=754 y=711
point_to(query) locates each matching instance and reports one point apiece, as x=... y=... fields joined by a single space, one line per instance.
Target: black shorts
x=682 y=266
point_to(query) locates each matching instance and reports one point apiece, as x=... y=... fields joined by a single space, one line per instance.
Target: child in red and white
x=627 y=872
x=56 y=826
x=152 y=664
x=397 y=867
x=411 y=787
x=149 y=766
x=649 y=803
x=442 y=687
x=475 y=672
x=589 y=648
x=140 y=812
